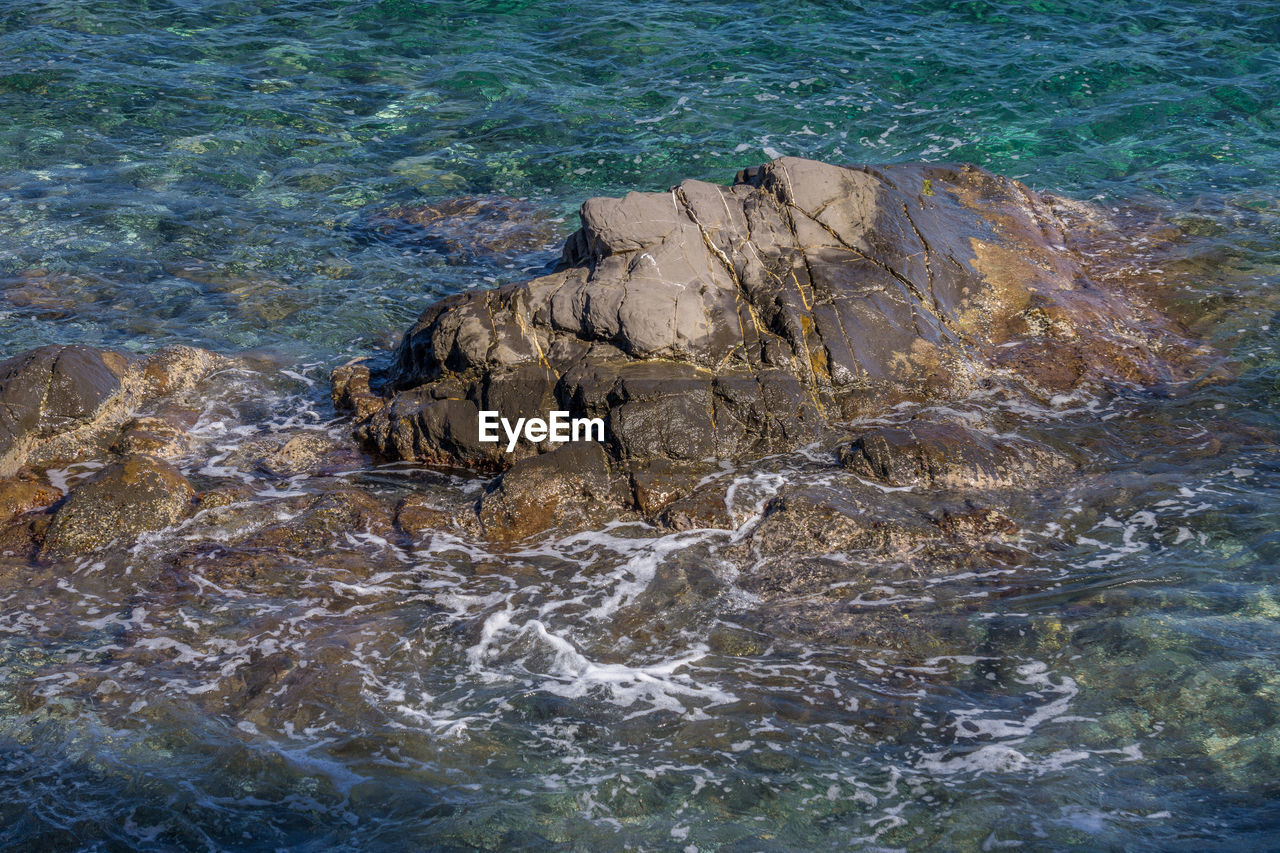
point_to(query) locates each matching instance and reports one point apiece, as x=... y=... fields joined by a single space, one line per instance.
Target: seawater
x=197 y=172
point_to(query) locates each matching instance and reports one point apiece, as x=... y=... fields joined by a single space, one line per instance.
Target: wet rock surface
x=60 y=403
x=947 y=455
x=720 y=324
x=127 y=498
x=571 y=486
x=731 y=322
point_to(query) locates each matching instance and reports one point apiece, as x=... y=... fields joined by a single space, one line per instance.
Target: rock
x=21 y=537
x=949 y=455
x=658 y=484
x=286 y=455
x=705 y=507
x=48 y=295
x=49 y=393
x=342 y=534
x=465 y=228
x=226 y=496
x=151 y=436
x=351 y=391
x=319 y=525
x=732 y=322
x=125 y=499
x=177 y=368
x=60 y=403
x=18 y=496
x=572 y=484
x=975 y=522
x=415 y=515
x=818 y=520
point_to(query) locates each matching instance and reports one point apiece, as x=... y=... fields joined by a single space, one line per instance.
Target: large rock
x=729 y=322
x=571 y=484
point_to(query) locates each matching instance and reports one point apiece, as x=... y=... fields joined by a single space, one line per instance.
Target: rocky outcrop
x=724 y=323
x=64 y=405
x=729 y=322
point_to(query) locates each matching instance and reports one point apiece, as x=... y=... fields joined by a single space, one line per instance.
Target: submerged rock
x=730 y=322
x=948 y=455
x=127 y=498
x=464 y=228
x=289 y=454
x=20 y=495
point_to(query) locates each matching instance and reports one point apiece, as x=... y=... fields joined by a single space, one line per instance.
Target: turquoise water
x=204 y=172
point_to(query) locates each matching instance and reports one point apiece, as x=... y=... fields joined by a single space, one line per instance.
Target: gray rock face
x=729 y=322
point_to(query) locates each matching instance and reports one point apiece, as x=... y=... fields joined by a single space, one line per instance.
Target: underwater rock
x=18 y=495
x=822 y=520
x=60 y=403
x=290 y=454
x=127 y=498
x=282 y=543
x=464 y=228
x=317 y=525
x=22 y=523
x=416 y=515
x=949 y=455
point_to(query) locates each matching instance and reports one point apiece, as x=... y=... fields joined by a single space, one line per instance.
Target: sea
x=206 y=172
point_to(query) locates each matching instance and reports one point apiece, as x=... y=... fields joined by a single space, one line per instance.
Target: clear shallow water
x=199 y=172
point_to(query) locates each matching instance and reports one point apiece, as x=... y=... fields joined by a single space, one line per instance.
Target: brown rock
x=703 y=508
x=321 y=523
x=949 y=455
x=571 y=485
x=817 y=520
x=662 y=482
x=125 y=499
x=18 y=496
x=975 y=522
x=226 y=496
x=731 y=322
x=416 y=515
x=151 y=436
